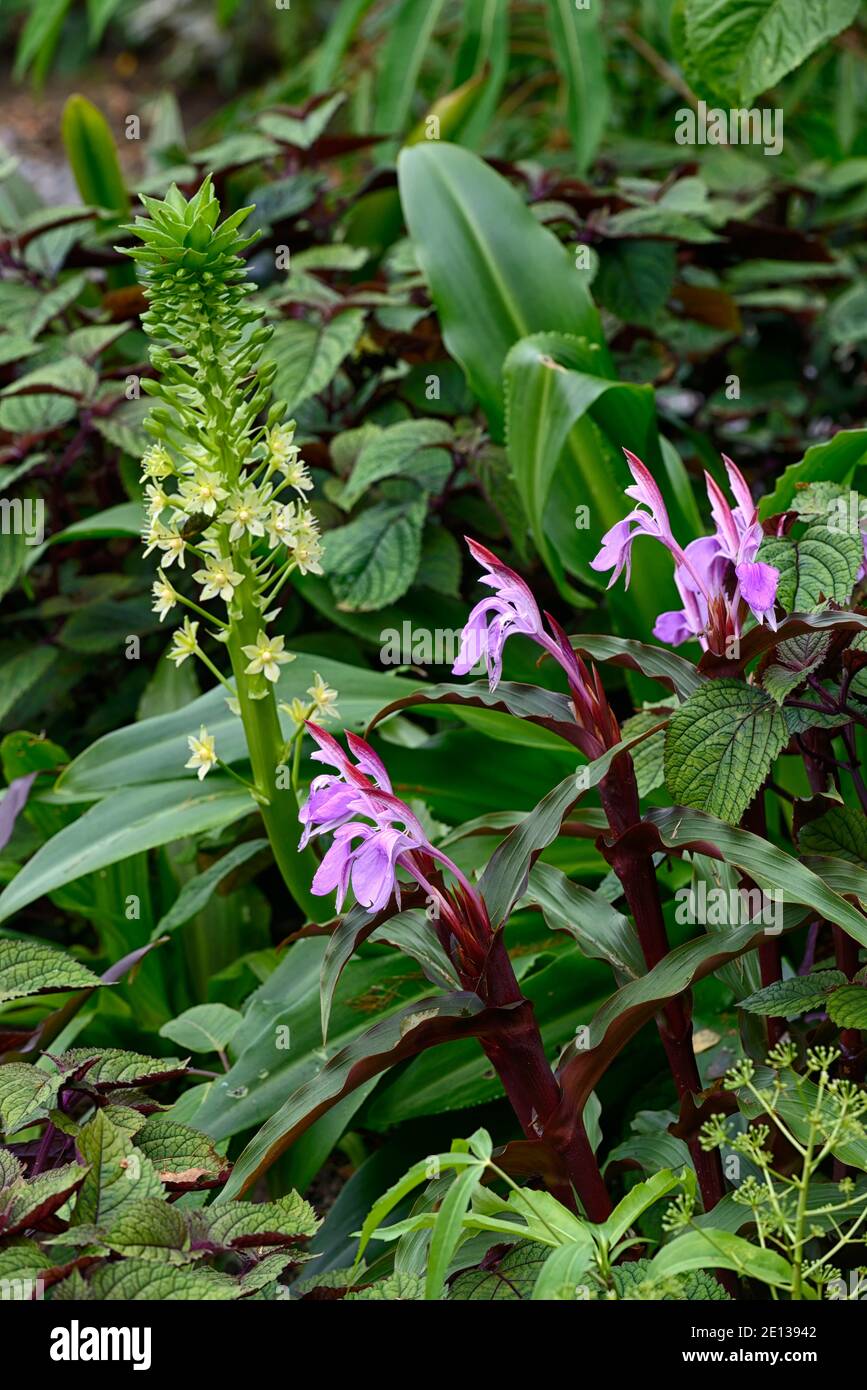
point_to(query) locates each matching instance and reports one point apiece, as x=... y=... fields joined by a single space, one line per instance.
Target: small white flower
x=267 y=656
x=279 y=524
x=297 y=476
x=218 y=579
x=308 y=554
x=165 y=597
x=204 y=755
x=324 y=698
x=157 y=500
x=245 y=512
x=282 y=449
x=203 y=492
x=185 y=643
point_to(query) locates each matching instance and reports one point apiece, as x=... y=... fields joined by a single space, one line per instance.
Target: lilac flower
x=717 y=576
x=512 y=608
x=362 y=855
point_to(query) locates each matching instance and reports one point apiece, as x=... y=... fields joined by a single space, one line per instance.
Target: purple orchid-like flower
x=718 y=577
x=512 y=609
x=374 y=832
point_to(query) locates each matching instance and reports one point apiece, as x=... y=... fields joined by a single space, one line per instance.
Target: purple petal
x=758 y=585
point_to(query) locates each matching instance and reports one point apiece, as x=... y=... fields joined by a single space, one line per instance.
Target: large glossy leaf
x=494 y=273
x=567 y=425
x=680 y=828
x=155 y=749
x=122 y=824
x=440 y=1018
x=832 y=461
x=409 y=35
x=720 y=1250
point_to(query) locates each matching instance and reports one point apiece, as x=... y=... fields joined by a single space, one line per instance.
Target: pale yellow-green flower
x=203 y=753
x=156 y=463
x=218 y=579
x=185 y=642
x=246 y=511
x=267 y=656
x=202 y=492
x=165 y=597
x=324 y=699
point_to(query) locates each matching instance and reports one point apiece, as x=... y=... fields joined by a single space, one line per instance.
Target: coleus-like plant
x=101 y=1185
x=718 y=736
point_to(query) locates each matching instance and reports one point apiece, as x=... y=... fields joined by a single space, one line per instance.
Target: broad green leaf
x=127 y=519
x=720 y=746
x=110 y=1067
x=395 y=1288
x=197 y=891
x=90 y=147
x=154 y=750
x=567 y=425
x=795 y=996
x=740 y=50
x=405 y=450
x=474 y=238
x=26 y=1095
x=564 y=1271
x=833 y=461
x=401 y=1035
x=308 y=354
x=182 y=1156
x=22 y=672
x=821 y=565
x=203 y=1028
x=848 y=1006
x=124 y=823
x=372 y=560
x=657 y=663
x=841 y=832
x=31 y=967
x=576 y=41
x=28 y=1204
x=134 y=1281
x=635 y=278
x=711 y=1249
x=508 y=1278
x=637 y=1201
x=792 y=663
x=149 y=1228
x=448 y=1228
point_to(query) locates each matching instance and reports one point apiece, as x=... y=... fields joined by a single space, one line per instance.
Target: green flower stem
x=265 y=744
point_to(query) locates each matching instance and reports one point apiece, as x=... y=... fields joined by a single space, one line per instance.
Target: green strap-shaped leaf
x=576 y=41
x=775 y=872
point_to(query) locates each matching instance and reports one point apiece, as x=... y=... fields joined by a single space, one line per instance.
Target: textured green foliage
x=795 y=996
x=842 y=831
x=31 y=967
x=720 y=745
x=848 y=1006
x=821 y=565
x=741 y=49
